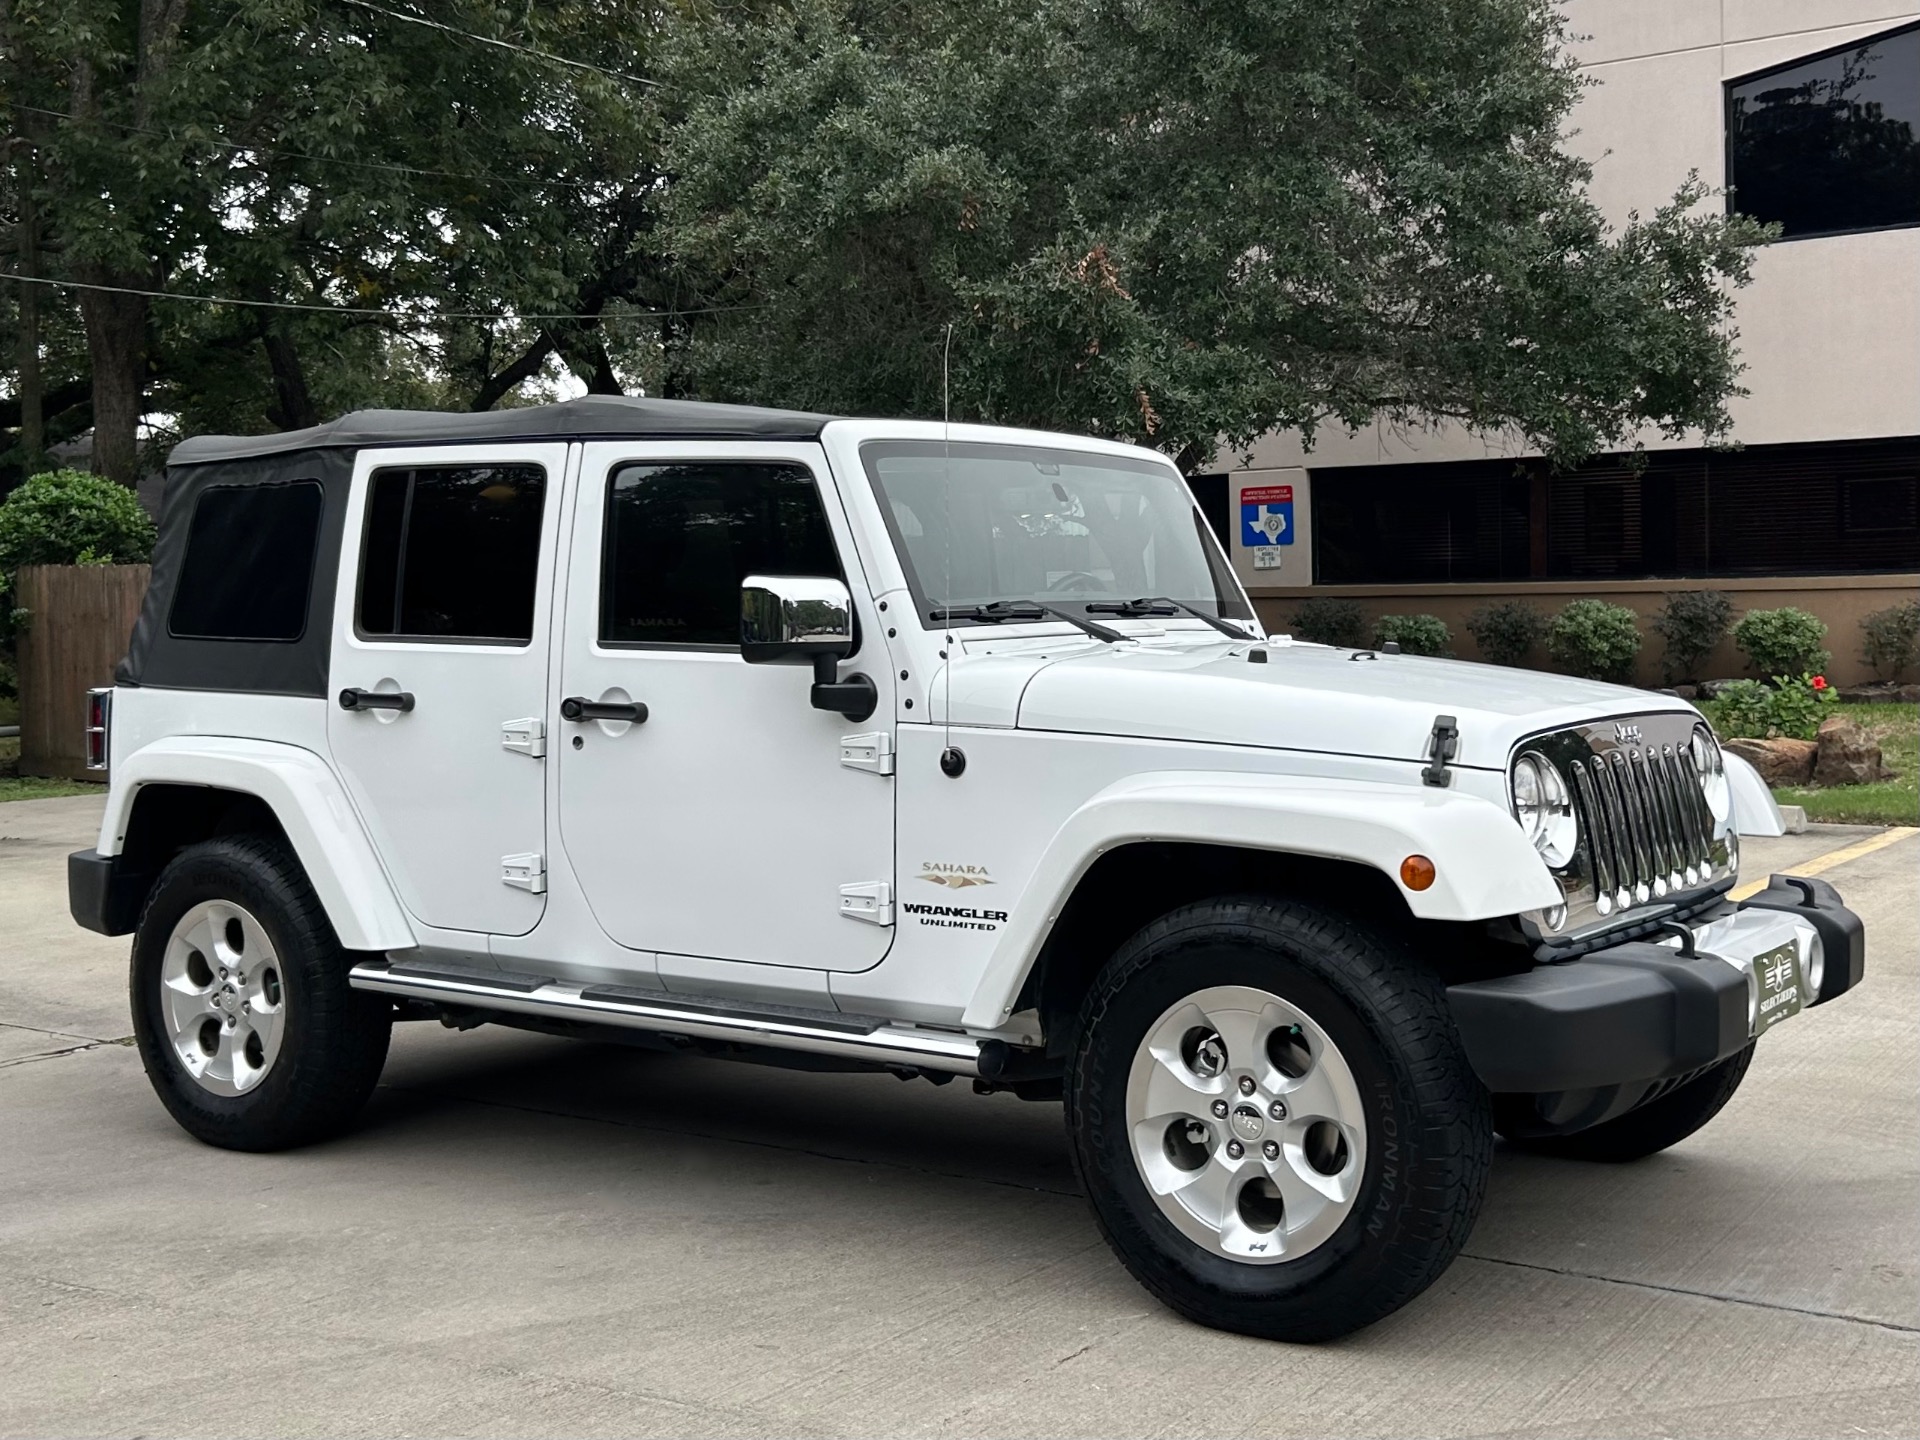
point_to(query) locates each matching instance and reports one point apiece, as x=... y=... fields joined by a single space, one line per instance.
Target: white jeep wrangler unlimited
x=887 y=746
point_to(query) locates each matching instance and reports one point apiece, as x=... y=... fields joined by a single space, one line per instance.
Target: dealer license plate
x=1781 y=991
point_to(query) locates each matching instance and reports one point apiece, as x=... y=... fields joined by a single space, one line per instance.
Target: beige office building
x=1808 y=113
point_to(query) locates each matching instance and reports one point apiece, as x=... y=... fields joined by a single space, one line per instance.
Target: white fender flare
x=1484 y=865
x=311 y=806
x=1755 y=812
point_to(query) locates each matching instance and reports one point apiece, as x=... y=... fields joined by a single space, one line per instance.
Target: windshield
x=979 y=525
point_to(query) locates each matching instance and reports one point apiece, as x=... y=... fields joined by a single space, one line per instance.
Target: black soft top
x=592 y=416
x=323 y=456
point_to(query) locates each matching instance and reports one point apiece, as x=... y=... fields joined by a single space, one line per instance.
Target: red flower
x=1819 y=682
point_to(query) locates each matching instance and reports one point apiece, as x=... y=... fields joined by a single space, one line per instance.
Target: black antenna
x=953 y=762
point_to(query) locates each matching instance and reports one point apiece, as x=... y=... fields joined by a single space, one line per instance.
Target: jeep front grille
x=1649 y=843
x=1645 y=823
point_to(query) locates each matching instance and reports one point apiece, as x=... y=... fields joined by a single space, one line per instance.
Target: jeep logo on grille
x=1626 y=734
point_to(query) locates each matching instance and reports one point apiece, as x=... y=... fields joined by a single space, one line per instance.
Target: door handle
x=578 y=709
x=351 y=699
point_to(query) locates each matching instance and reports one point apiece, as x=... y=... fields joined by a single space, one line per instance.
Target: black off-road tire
x=1429 y=1127
x=1653 y=1127
x=335 y=1038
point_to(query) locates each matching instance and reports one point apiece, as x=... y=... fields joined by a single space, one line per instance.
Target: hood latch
x=1442 y=745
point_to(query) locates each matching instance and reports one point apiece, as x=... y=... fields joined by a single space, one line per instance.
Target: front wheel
x=249 y=1032
x=1274 y=1120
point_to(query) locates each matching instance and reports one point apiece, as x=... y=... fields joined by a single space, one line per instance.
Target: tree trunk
x=528 y=365
x=293 y=407
x=676 y=349
x=33 y=428
x=117 y=347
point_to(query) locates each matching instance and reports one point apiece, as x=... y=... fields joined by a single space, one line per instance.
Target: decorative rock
x=1847 y=754
x=1710 y=689
x=1685 y=692
x=1881 y=693
x=1780 y=762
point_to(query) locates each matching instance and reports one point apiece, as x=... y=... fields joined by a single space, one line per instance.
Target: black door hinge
x=1441 y=747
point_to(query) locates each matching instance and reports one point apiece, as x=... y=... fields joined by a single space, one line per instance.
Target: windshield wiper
x=1164 y=605
x=1024 y=610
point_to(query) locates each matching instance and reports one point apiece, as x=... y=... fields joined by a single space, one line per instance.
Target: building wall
x=1829 y=328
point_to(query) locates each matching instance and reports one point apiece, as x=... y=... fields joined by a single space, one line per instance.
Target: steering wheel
x=1076 y=580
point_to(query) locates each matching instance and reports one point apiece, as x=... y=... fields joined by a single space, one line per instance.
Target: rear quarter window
x=248 y=571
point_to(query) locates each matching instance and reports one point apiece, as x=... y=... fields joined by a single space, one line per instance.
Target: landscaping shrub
x=1792 y=707
x=1782 y=642
x=1595 y=639
x=1692 y=623
x=1507 y=632
x=1890 y=639
x=68 y=517
x=1414 y=634
x=1329 y=622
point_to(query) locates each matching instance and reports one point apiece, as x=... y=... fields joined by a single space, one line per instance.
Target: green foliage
x=1121 y=211
x=1692 y=623
x=1782 y=642
x=1507 y=630
x=1329 y=622
x=1792 y=707
x=68 y=517
x=1415 y=634
x=1168 y=222
x=1595 y=639
x=1890 y=639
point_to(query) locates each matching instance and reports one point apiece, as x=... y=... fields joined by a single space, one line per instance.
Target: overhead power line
x=546 y=55
x=421 y=318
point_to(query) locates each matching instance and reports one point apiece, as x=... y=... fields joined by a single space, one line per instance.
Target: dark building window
x=1433 y=523
x=681 y=538
x=453 y=553
x=248 y=571
x=1830 y=143
x=1769 y=510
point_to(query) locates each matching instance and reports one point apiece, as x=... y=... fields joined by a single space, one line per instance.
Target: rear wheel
x=1653 y=1127
x=1274 y=1121
x=249 y=1032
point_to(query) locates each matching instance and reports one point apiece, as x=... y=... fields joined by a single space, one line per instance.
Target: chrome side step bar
x=849 y=1037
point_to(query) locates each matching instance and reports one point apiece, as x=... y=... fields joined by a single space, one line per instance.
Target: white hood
x=1195 y=686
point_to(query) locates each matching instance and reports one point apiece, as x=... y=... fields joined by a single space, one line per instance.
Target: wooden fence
x=78 y=621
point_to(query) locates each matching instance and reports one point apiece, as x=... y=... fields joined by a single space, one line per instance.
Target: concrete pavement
x=537 y=1236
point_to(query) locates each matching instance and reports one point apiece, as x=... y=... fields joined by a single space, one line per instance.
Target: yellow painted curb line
x=1828 y=861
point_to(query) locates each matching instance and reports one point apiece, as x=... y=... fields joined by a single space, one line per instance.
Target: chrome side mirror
x=794 y=619
x=805 y=619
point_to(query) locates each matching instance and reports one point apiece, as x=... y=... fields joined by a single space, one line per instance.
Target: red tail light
x=99 y=718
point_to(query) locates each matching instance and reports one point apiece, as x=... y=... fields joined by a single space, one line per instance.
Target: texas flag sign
x=1266 y=515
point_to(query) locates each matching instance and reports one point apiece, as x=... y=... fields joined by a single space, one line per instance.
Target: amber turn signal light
x=1416 y=872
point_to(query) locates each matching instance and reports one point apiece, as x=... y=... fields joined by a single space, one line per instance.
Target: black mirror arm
x=855 y=697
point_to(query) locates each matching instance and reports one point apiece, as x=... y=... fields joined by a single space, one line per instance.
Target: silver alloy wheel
x=1246 y=1124
x=225 y=1002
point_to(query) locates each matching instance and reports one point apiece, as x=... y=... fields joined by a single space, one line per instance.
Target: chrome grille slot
x=1593 y=825
x=1647 y=837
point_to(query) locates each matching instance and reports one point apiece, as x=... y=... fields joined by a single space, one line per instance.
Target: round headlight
x=1544 y=807
x=1712 y=766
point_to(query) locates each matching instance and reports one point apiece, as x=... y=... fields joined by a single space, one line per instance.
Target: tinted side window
x=681 y=538
x=452 y=552
x=248 y=570
x=1830 y=143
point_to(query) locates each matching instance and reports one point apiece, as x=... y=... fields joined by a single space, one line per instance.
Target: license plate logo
x=1781 y=991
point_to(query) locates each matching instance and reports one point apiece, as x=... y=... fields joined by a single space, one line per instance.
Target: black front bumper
x=1637 y=1012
